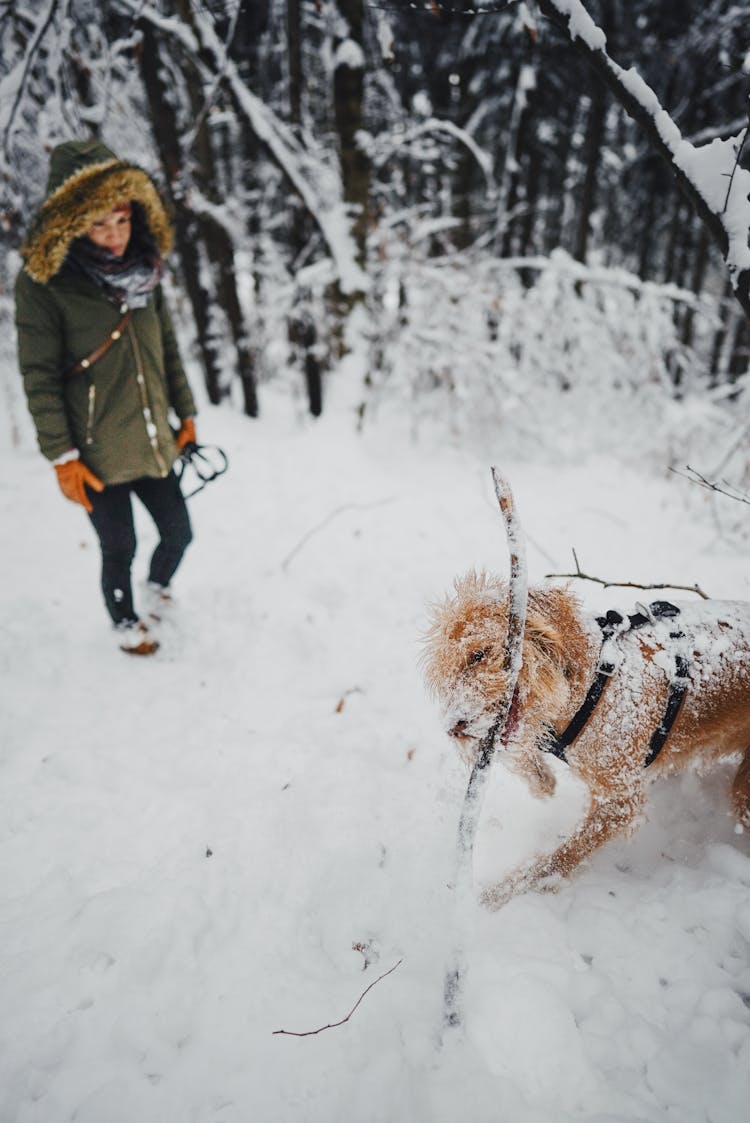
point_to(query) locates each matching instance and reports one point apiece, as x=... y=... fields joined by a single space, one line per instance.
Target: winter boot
x=158 y=601
x=134 y=638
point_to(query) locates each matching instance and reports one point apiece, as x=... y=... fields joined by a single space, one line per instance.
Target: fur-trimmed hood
x=85 y=180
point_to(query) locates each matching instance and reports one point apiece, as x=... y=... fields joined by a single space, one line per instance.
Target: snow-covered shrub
x=542 y=355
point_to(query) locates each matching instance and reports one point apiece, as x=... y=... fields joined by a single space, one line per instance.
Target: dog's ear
x=554 y=644
x=543 y=629
x=545 y=639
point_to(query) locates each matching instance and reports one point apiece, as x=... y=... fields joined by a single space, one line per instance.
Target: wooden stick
x=472 y=805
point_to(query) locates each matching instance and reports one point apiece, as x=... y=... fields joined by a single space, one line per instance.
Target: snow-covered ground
x=243 y=833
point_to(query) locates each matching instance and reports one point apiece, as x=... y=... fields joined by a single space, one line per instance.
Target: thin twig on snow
x=728 y=489
x=333 y=1025
x=324 y=522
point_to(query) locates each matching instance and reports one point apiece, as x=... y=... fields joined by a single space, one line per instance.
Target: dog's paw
x=540 y=878
x=495 y=896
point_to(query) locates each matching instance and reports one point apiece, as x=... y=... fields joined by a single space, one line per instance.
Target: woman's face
x=111 y=230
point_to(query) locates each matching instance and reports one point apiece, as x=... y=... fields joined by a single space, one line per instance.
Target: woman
x=101 y=368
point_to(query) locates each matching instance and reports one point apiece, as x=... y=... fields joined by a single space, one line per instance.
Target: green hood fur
x=85 y=180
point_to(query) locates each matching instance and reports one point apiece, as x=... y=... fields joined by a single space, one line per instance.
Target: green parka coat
x=116 y=413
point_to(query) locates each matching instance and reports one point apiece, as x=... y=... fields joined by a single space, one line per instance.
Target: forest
x=414 y=172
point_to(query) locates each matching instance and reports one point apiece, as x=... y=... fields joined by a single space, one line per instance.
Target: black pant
x=112 y=518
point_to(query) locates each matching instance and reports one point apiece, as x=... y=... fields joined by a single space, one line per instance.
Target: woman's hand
x=72 y=475
x=186 y=434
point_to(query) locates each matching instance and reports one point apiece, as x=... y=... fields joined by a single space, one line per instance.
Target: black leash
x=611 y=625
x=208 y=462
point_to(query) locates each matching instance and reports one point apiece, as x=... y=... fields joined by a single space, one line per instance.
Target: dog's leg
x=608 y=816
x=741 y=792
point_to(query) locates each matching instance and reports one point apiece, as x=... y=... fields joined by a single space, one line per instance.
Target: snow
x=580 y=24
x=244 y=832
x=349 y=53
x=382 y=148
x=726 y=188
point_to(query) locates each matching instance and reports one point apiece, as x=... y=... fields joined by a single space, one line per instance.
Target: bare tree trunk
x=739 y=360
x=348 y=89
x=166 y=134
x=303 y=337
x=294 y=51
x=219 y=247
x=301 y=329
x=531 y=215
x=646 y=264
x=698 y=275
x=673 y=241
x=594 y=138
x=462 y=195
x=510 y=185
x=717 y=364
x=221 y=255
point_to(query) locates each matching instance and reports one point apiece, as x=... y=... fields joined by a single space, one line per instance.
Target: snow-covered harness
x=614 y=625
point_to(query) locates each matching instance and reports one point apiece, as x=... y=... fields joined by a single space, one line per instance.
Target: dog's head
x=464 y=655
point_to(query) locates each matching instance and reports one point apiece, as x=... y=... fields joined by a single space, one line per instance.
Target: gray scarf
x=130 y=278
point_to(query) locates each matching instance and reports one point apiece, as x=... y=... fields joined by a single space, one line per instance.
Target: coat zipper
x=145 y=406
x=90 y=415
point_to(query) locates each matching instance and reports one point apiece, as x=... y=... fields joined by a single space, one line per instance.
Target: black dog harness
x=613 y=625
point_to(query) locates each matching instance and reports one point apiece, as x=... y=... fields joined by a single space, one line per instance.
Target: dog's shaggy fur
x=463 y=662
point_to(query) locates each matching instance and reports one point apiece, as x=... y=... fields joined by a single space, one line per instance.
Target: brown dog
x=619 y=699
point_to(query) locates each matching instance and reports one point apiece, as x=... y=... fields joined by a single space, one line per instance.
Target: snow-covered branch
x=576 y=271
x=434 y=125
x=701 y=172
x=311 y=181
x=13 y=86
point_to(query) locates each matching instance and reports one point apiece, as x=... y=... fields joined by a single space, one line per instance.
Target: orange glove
x=186 y=435
x=71 y=476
